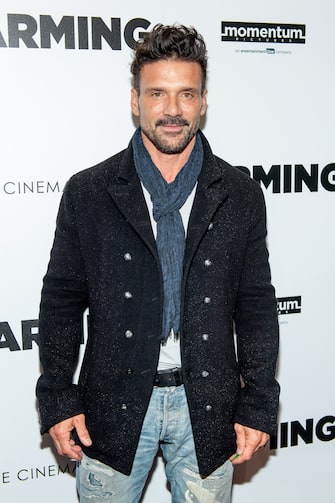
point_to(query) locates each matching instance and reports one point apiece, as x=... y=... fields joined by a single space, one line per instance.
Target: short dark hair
x=169 y=42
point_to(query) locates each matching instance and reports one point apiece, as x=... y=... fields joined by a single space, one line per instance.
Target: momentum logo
x=289 y=305
x=235 y=31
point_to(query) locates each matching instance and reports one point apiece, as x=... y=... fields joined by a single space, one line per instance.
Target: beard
x=173 y=143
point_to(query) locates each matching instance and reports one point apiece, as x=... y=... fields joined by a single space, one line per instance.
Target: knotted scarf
x=167 y=199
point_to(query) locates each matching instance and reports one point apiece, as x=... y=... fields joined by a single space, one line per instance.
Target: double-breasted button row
x=127 y=257
x=128 y=295
x=208 y=263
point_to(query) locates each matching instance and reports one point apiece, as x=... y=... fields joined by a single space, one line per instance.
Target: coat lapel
x=210 y=194
x=126 y=192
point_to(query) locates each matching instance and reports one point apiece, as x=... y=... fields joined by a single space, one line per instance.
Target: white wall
x=63 y=110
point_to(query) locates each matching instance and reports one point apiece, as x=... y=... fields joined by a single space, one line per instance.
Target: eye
x=156 y=94
x=187 y=95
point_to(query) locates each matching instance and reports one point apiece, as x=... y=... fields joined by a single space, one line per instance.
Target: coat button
x=129 y=371
x=127 y=256
x=129 y=334
x=207 y=300
x=205 y=337
x=204 y=373
x=124 y=406
x=210 y=227
x=208 y=262
x=208 y=407
x=128 y=295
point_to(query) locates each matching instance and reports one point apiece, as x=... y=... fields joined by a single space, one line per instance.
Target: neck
x=169 y=165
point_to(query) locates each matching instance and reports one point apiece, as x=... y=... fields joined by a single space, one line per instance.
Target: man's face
x=169 y=104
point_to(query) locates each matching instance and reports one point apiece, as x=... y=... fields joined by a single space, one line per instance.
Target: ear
x=203 y=107
x=134 y=102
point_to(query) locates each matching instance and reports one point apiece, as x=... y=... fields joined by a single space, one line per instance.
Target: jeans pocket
x=215 y=488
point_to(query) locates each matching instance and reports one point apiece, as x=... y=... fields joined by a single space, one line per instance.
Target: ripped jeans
x=166 y=425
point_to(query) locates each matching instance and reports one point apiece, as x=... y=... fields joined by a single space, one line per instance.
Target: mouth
x=172 y=126
x=172 y=122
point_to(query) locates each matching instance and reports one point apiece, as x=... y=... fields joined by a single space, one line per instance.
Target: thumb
x=240 y=438
x=82 y=431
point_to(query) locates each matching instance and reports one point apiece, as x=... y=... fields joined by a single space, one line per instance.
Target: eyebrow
x=183 y=89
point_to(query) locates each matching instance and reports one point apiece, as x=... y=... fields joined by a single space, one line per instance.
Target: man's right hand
x=61 y=435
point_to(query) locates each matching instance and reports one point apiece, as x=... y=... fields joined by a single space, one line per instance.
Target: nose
x=172 y=106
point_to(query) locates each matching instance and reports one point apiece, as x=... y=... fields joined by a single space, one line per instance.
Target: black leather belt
x=172 y=377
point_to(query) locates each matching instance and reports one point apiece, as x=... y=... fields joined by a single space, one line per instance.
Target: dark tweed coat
x=104 y=257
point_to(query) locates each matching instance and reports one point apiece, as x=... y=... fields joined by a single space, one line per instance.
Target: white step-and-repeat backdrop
x=65 y=85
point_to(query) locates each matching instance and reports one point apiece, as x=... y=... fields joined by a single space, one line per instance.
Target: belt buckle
x=171 y=377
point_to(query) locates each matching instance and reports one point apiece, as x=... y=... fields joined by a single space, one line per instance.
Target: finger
x=260 y=442
x=235 y=458
x=265 y=439
x=240 y=439
x=56 y=444
x=82 y=431
x=240 y=444
x=72 y=451
x=251 y=448
x=64 y=447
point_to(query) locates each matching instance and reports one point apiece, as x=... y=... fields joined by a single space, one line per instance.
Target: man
x=160 y=367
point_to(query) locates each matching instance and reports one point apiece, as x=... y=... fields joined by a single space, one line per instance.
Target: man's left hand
x=248 y=442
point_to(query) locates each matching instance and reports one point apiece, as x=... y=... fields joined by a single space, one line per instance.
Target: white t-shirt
x=169 y=356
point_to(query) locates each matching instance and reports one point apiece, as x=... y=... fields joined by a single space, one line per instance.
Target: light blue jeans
x=166 y=425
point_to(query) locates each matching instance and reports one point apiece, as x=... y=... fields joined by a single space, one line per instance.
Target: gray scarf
x=167 y=199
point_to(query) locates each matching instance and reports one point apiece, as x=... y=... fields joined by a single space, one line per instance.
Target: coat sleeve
x=257 y=334
x=63 y=301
